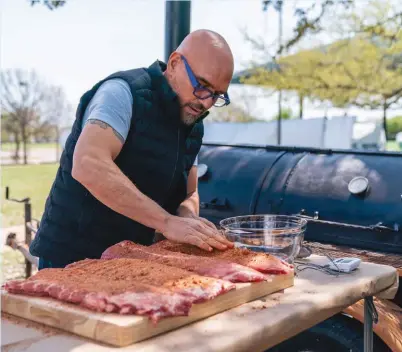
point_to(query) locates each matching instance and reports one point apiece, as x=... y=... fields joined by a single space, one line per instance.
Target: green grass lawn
x=32 y=181
x=11 y=146
x=393 y=146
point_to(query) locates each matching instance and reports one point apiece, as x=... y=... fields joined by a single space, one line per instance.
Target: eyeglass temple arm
x=190 y=73
x=194 y=80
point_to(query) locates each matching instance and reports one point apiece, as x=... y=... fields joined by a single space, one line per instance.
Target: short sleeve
x=196 y=161
x=112 y=104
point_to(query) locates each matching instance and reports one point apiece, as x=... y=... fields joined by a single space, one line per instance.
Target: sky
x=85 y=40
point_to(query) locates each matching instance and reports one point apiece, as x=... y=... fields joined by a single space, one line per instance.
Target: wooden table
x=254 y=326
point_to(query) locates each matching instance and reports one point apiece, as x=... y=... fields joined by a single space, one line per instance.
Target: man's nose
x=207 y=103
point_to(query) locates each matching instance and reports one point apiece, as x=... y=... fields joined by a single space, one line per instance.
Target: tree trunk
x=301 y=103
x=384 y=119
x=16 y=156
x=24 y=143
x=25 y=149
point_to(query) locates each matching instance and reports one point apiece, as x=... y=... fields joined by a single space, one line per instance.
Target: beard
x=190 y=118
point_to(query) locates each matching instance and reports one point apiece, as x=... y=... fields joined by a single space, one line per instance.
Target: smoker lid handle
x=216 y=203
x=377 y=227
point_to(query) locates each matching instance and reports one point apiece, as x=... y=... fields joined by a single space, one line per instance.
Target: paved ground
x=35 y=156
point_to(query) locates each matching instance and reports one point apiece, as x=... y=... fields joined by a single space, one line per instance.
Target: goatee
x=189 y=119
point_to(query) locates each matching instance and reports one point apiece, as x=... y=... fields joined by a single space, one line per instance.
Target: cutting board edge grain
x=122 y=330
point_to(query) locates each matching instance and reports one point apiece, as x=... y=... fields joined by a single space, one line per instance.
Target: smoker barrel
x=242 y=180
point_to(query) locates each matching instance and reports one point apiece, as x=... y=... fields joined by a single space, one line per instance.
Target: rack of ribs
x=211 y=267
x=125 y=286
x=262 y=262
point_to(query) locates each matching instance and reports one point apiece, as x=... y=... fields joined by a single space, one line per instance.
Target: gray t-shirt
x=112 y=104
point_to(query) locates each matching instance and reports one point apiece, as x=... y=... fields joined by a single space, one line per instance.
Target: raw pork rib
x=217 y=268
x=197 y=287
x=263 y=262
x=125 y=286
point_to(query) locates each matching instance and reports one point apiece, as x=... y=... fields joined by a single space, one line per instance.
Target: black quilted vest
x=157 y=156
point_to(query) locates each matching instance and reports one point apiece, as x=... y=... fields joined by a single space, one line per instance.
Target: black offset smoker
x=351 y=199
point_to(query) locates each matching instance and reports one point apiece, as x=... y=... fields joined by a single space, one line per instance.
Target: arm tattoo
x=118 y=135
x=104 y=125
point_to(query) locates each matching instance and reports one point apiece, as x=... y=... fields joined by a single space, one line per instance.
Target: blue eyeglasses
x=202 y=92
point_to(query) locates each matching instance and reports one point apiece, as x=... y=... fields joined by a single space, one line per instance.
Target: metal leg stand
x=370 y=316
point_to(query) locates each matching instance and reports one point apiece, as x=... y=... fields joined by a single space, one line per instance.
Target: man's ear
x=174 y=60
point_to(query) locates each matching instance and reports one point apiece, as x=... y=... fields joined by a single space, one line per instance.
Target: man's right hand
x=94 y=168
x=195 y=232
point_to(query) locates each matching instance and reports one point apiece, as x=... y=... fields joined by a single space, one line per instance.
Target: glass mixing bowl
x=279 y=235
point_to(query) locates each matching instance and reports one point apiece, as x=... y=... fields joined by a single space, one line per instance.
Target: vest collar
x=166 y=94
x=159 y=81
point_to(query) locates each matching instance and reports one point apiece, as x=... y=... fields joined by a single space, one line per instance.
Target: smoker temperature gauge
x=358 y=185
x=201 y=170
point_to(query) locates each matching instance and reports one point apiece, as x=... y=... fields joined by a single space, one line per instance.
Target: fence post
x=28 y=234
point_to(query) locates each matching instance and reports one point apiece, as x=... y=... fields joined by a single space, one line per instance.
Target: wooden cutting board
x=118 y=330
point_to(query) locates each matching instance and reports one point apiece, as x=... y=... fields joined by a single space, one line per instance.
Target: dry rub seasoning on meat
x=265 y=263
x=125 y=286
x=212 y=267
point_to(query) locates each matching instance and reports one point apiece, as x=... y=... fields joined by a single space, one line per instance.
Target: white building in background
x=262 y=103
x=398 y=139
x=343 y=132
x=369 y=135
x=321 y=127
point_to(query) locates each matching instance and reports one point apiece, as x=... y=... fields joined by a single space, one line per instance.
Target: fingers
x=205 y=238
x=214 y=238
x=208 y=223
x=221 y=237
x=220 y=243
x=223 y=243
x=199 y=232
x=198 y=241
x=214 y=242
x=218 y=235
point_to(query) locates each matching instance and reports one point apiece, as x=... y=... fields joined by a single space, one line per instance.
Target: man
x=127 y=170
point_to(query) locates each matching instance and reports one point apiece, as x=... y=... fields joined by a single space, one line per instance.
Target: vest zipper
x=177 y=158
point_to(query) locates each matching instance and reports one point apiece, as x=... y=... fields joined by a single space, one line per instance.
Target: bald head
x=204 y=42
x=210 y=60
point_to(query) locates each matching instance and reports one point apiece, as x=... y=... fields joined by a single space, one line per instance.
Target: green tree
x=364 y=69
x=230 y=113
x=286 y=114
x=312 y=17
x=394 y=126
x=29 y=106
x=371 y=62
x=298 y=73
x=11 y=131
